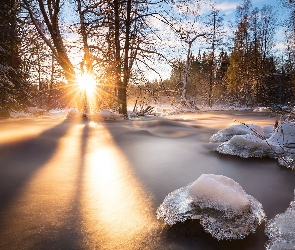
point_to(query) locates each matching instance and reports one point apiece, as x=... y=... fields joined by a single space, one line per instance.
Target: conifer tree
x=14 y=89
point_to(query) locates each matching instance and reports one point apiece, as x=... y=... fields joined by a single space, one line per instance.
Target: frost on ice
x=287 y=161
x=224 y=209
x=241 y=129
x=259 y=142
x=281 y=230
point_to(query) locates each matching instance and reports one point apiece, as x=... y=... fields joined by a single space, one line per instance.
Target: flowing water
x=68 y=184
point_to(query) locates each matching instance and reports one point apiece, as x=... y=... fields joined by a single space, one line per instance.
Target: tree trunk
x=123 y=89
x=118 y=69
x=57 y=46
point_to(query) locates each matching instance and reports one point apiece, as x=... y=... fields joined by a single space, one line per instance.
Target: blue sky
x=228 y=8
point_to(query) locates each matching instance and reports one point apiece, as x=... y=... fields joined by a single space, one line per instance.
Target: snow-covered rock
x=262 y=109
x=107 y=114
x=247 y=146
x=284 y=136
x=240 y=129
x=279 y=143
x=267 y=131
x=224 y=209
x=281 y=230
x=219 y=192
x=35 y=110
x=73 y=113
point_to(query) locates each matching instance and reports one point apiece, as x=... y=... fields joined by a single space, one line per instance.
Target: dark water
x=165 y=163
x=97 y=185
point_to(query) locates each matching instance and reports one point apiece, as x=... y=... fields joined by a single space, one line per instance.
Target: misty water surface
x=70 y=184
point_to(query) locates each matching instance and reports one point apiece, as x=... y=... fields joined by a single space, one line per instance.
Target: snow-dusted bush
x=224 y=209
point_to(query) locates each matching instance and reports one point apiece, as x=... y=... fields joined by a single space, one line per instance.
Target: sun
x=86 y=83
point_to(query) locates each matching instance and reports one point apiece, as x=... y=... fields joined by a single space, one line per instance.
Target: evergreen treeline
x=248 y=72
x=14 y=87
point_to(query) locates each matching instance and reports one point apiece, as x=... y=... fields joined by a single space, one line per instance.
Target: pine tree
x=14 y=89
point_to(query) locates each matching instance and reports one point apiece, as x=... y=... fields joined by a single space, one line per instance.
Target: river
x=69 y=184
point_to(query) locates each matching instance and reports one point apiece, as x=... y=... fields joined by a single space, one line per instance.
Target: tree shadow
x=19 y=160
x=69 y=234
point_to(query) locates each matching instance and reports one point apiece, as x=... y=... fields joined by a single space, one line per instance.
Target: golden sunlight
x=117 y=211
x=86 y=82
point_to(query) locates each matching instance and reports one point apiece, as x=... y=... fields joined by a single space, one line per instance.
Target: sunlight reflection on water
x=117 y=211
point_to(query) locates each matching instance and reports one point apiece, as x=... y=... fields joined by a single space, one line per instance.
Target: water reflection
x=117 y=212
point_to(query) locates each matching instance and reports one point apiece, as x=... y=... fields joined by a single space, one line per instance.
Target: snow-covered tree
x=14 y=89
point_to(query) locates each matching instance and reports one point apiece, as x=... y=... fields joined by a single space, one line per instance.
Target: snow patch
x=247 y=146
x=220 y=192
x=262 y=109
x=102 y=114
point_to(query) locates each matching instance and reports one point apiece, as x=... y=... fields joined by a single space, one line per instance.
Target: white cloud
x=227 y=7
x=280 y=46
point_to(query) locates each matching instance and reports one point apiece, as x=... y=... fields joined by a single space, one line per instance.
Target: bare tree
x=185 y=20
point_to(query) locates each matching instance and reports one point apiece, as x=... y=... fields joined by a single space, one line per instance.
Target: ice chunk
x=280 y=245
x=284 y=136
x=241 y=129
x=248 y=146
x=280 y=143
x=281 y=230
x=287 y=161
x=220 y=192
x=268 y=130
x=225 y=210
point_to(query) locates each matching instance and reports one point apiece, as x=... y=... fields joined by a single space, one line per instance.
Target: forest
x=126 y=48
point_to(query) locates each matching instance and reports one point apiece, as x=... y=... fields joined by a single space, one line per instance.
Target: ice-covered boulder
x=284 y=136
x=267 y=130
x=262 y=109
x=287 y=161
x=281 y=230
x=240 y=129
x=248 y=146
x=276 y=145
x=109 y=115
x=224 y=209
